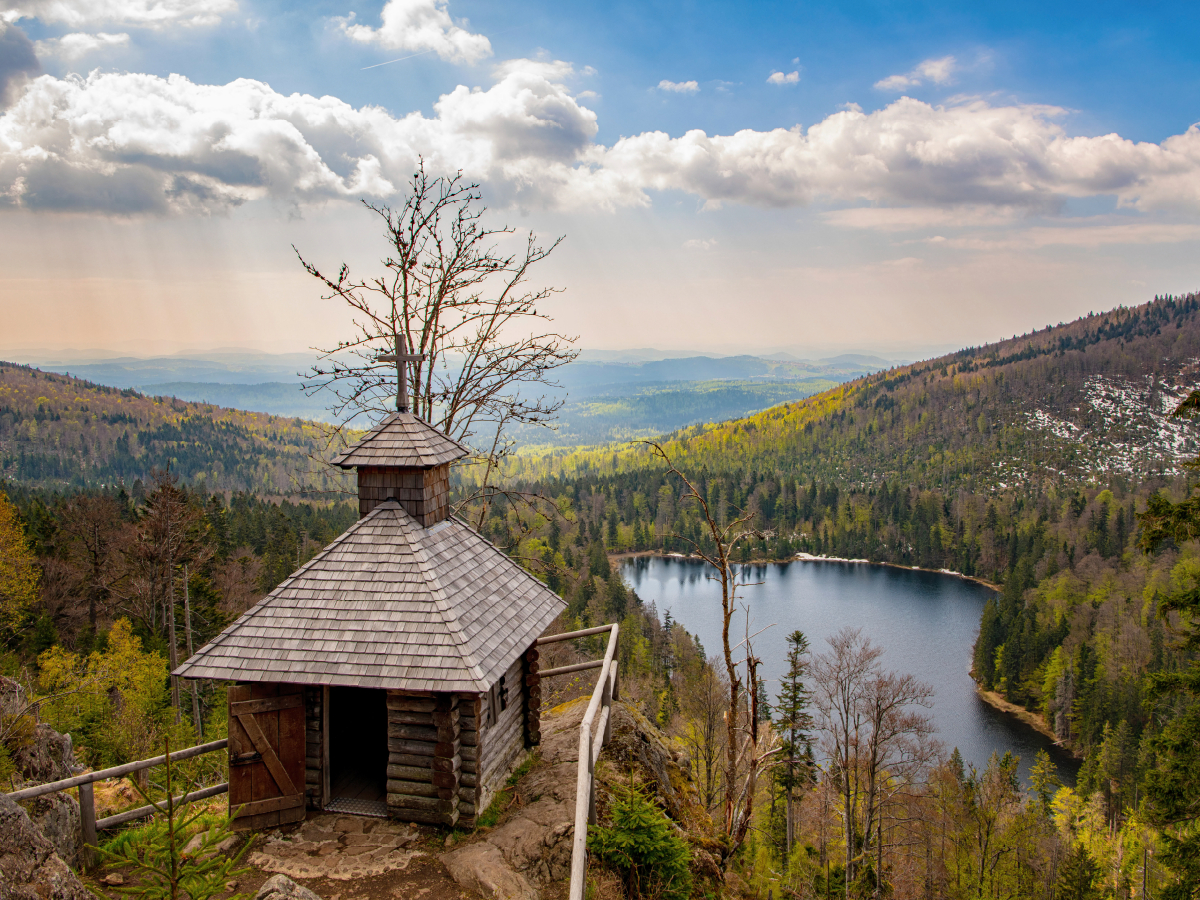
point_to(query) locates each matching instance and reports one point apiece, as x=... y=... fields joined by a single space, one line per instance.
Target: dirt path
x=343 y=858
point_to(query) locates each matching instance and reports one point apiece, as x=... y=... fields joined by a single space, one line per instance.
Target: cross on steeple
x=402 y=360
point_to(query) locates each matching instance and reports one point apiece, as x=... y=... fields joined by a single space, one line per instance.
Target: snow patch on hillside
x=1123 y=426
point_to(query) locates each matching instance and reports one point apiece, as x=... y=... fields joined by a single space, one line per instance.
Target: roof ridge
x=444 y=607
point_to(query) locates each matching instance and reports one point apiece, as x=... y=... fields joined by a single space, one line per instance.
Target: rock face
x=531 y=849
x=280 y=887
x=29 y=867
x=56 y=816
x=45 y=755
x=40 y=755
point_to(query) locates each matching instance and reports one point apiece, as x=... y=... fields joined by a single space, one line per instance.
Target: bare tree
x=171 y=532
x=452 y=315
x=95 y=536
x=702 y=696
x=877 y=744
x=742 y=743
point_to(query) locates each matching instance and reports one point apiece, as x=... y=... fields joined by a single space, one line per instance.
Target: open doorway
x=358 y=753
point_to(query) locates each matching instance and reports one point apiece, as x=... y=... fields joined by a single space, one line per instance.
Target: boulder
x=40 y=754
x=45 y=755
x=29 y=867
x=280 y=887
x=56 y=816
x=482 y=868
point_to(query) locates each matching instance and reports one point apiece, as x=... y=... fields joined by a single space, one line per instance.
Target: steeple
x=405 y=459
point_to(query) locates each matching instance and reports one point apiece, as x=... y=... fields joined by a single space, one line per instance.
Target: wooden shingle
x=402 y=439
x=389 y=604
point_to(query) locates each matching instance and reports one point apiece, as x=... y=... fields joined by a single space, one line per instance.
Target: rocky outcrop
x=482 y=868
x=29 y=867
x=56 y=816
x=280 y=887
x=40 y=754
x=531 y=848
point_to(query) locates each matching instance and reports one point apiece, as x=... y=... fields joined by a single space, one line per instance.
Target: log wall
x=424 y=758
x=314 y=751
x=470 y=712
x=502 y=742
x=533 y=699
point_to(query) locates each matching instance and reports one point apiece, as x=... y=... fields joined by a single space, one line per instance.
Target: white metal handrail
x=607 y=690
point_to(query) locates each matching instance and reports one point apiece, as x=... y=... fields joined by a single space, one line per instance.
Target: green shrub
x=158 y=852
x=644 y=847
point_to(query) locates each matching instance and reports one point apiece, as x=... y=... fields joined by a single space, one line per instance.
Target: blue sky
x=895 y=177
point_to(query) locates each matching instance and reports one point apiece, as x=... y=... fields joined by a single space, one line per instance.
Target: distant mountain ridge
x=605 y=399
x=67 y=433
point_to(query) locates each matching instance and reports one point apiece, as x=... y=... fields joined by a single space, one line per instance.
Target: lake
x=925 y=622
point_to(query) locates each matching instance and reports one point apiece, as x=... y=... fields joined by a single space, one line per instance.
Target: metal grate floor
x=377 y=808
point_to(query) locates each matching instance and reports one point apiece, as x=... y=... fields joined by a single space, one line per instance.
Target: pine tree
x=794 y=721
x=1077 y=879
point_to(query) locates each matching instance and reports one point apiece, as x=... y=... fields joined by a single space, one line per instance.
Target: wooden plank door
x=266 y=755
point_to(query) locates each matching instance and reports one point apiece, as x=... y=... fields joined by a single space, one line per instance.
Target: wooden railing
x=87 y=802
x=607 y=690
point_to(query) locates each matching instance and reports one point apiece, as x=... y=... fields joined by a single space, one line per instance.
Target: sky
x=894 y=178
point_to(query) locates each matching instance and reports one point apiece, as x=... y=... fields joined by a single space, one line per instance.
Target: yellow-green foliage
x=18 y=569
x=1118 y=853
x=113 y=701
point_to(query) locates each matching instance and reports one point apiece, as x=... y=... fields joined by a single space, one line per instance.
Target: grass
x=504 y=797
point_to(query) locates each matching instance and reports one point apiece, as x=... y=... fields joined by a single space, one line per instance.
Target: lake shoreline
x=1036 y=721
x=1030 y=720
x=806 y=557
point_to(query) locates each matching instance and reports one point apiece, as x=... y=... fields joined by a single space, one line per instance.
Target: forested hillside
x=62 y=432
x=1026 y=463
x=1065 y=404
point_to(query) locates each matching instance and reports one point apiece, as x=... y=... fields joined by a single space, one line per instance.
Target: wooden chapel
x=393 y=674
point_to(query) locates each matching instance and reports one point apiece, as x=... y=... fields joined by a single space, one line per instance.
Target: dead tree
x=742 y=739
x=452 y=315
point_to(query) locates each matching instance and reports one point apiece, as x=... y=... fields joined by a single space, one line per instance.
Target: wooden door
x=266 y=755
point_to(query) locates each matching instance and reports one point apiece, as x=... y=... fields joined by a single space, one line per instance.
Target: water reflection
x=925 y=622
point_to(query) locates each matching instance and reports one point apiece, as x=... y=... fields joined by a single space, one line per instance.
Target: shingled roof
x=402 y=439
x=389 y=604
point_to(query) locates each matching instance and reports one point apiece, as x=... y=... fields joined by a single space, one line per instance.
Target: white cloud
x=145 y=13
x=700 y=244
x=130 y=144
x=781 y=78
x=939 y=71
x=679 y=87
x=913 y=154
x=73 y=46
x=421 y=26
x=127 y=144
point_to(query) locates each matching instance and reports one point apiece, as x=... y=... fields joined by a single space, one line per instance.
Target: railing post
x=591 y=788
x=606 y=703
x=87 y=817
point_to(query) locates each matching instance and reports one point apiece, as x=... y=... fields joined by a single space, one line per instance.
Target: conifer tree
x=794 y=723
